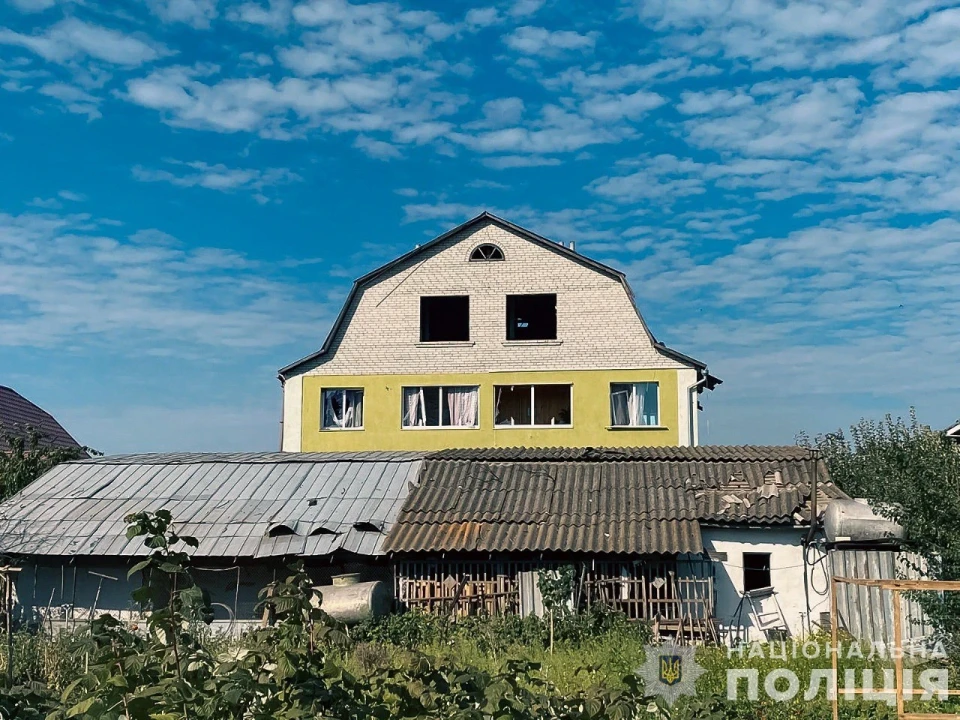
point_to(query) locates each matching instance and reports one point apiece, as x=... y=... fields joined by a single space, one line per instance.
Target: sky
x=189 y=187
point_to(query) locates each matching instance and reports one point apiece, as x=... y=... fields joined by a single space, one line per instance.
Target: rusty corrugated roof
x=626 y=500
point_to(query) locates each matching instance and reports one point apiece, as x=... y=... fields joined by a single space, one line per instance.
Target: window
x=486 y=252
x=756 y=571
x=445 y=318
x=634 y=404
x=342 y=409
x=440 y=406
x=532 y=317
x=533 y=405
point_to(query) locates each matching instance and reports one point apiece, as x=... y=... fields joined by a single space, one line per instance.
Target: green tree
x=29 y=457
x=912 y=474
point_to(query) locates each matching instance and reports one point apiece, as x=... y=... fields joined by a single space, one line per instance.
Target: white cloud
x=33 y=6
x=218 y=177
x=548 y=43
x=74 y=99
x=195 y=13
x=478 y=18
x=377 y=148
x=71 y=196
x=525 y=8
x=72 y=38
x=274 y=14
x=144 y=295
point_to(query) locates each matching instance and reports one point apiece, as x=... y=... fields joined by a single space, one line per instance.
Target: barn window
x=487 y=251
x=445 y=318
x=756 y=571
x=532 y=317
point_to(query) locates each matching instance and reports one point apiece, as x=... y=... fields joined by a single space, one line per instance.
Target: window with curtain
x=634 y=404
x=440 y=406
x=533 y=405
x=342 y=408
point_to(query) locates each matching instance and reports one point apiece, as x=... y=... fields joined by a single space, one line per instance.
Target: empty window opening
x=445 y=318
x=756 y=571
x=342 y=408
x=486 y=251
x=634 y=404
x=532 y=317
x=533 y=405
x=440 y=406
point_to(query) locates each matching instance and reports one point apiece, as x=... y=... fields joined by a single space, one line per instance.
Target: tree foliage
x=29 y=457
x=911 y=474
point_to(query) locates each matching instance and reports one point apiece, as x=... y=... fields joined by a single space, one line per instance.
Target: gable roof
x=235 y=504
x=626 y=500
x=953 y=431
x=18 y=415
x=710 y=380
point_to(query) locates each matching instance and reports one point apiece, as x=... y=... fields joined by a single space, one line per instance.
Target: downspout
x=283 y=406
x=692 y=407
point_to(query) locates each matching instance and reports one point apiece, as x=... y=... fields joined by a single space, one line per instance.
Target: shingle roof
x=625 y=500
x=232 y=503
x=17 y=414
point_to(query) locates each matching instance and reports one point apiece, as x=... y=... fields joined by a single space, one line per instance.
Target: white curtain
x=343 y=408
x=462 y=406
x=414 y=409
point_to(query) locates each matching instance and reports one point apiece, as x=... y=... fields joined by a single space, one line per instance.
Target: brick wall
x=597 y=326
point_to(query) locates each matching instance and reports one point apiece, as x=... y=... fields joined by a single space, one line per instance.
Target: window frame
x=533 y=407
x=471 y=258
x=420 y=335
x=335 y=428
x=441 y=426
x=768 y=570
x=509 y=327
x=658 y=425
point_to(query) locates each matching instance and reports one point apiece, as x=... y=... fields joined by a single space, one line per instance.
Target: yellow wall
x=591 y=412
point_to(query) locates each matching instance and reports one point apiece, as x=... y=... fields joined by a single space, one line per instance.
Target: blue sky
x=189 y=186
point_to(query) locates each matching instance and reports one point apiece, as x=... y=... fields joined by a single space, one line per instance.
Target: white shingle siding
x=597 y=325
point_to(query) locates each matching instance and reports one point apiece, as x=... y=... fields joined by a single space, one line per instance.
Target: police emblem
x=670 y=671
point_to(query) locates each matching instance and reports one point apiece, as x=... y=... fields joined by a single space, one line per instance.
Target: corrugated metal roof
x=629 y=500
x=17 y=415
x=229 y=502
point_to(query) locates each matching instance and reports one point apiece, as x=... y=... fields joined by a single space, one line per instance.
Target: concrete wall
x=786 y=574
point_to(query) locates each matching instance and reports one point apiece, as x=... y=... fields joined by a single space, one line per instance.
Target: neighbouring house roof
x=237 y=505
x=710 y=380
x=18 y=415
x=627 y=500
x=954 y=431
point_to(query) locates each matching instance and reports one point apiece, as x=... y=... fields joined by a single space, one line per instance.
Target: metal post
x=8 y=604
x=834 y=646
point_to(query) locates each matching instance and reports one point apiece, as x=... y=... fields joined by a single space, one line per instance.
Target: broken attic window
x=487 y=251
x=445 y=318
x=756 y=571
x=532 y=317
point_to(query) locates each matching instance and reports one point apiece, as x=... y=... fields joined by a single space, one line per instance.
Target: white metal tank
x=855 y=521
x=351 y=602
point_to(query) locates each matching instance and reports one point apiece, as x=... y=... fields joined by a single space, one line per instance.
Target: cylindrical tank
x=853 y=521
x=357 y=601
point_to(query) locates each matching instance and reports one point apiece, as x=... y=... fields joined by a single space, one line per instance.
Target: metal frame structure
x=896 y=587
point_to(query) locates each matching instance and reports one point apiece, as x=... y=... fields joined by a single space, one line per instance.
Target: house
x=953 y=432
x=251 y=512
x=670 y=535
x=19 y=416
x=491 y=336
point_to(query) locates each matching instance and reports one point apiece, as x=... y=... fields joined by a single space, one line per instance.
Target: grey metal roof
x=18 y=415
x=485 y=216
x=625 y=500
x=314 y=503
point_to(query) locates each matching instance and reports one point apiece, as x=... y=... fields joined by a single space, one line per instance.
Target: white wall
x=786 y=576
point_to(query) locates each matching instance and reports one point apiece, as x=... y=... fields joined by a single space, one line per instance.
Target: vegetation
x=29 y=457
x=913 y=474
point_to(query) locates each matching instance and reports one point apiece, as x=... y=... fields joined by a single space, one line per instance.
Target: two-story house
x=491 y=336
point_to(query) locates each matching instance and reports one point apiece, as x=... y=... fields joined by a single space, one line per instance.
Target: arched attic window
x=487 y=251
